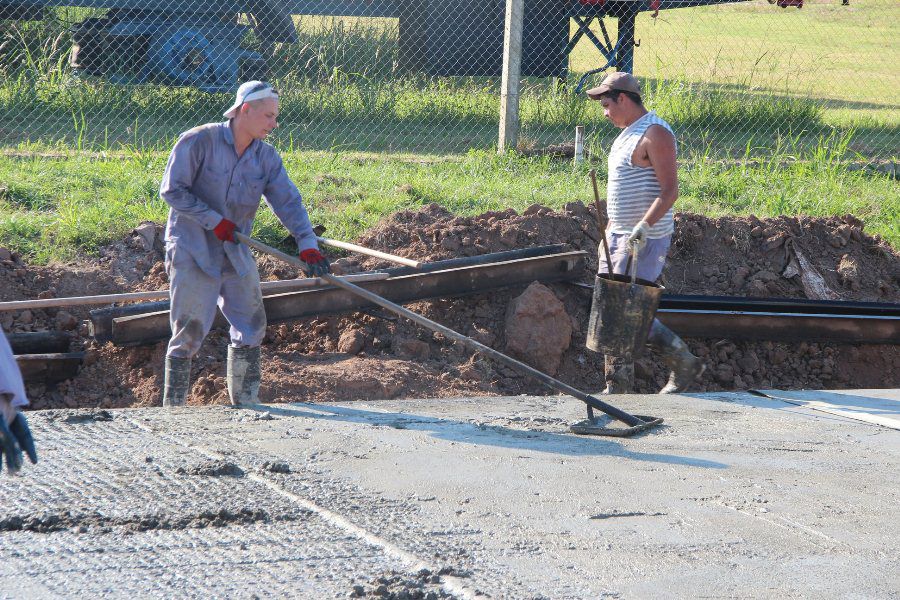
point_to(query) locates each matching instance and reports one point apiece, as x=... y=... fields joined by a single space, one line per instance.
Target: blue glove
x=14 y=438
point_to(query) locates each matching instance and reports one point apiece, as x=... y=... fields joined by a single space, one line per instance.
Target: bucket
x=621 y=314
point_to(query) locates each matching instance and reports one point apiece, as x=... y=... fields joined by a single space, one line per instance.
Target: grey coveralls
x=12 y=388
x=204 y=182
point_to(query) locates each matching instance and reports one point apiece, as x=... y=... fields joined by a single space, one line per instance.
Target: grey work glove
x=14 y=438
x=639 y=235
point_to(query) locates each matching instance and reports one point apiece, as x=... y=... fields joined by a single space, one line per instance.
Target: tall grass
x=341 y=89
x=59 y=207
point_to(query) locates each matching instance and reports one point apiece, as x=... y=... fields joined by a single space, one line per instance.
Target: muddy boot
x=177 y=381
x=243 y=375
x=685 y=367
x=618 y=371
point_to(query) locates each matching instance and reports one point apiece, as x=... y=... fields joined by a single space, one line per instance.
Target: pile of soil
x=374 y=354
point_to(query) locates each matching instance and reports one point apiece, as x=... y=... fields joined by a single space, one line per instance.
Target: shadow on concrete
x=474 y=434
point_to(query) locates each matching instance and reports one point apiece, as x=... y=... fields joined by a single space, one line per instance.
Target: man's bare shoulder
x=658 y=133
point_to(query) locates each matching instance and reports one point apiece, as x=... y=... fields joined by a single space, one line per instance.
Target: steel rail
x=779 y=319
x=125 y=326
x=782 y=327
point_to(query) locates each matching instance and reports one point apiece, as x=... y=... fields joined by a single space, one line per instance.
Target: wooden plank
x=49 y=368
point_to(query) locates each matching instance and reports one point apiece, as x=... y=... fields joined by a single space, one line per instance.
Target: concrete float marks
x=737 y=495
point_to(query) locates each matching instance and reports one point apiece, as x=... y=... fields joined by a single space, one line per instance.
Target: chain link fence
x=736 y=79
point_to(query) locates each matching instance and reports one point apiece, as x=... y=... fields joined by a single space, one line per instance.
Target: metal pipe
x=266 y=286
x=480 y=259
x=408 y=262
x=779 y=319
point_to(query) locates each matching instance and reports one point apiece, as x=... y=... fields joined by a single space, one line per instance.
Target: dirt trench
x=375 y=355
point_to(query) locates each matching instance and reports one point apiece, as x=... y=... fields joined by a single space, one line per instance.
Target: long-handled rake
x=634 y=424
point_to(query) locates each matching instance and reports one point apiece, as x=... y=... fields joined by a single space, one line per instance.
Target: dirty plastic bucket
x=621 y=314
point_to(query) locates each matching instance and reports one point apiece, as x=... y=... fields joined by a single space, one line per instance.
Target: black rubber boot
x=177 y=381
x=618 y=371
x=685 y=367
x=242 y=375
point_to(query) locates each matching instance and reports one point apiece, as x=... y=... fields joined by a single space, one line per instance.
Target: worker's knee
x=187 y=337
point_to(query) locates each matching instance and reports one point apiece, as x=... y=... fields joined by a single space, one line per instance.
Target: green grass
x=58 y=207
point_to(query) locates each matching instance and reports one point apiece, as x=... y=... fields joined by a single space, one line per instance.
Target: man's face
x=614 y=111
x=260 y=117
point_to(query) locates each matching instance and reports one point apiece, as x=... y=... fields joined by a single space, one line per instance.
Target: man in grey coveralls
x=213 y=183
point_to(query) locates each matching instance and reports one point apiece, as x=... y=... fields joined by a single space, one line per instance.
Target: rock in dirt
x=848 y=271
x=538 y=328
x=276 y=466
x=66 y=321
x=411 y=348
x=351 y=341
x=146 y=234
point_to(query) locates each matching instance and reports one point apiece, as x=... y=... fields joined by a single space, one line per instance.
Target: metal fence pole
x=509 y=85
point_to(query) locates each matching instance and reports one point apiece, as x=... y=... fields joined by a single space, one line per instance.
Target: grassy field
x=770 y=105
x=54 y=208
x=844 y=56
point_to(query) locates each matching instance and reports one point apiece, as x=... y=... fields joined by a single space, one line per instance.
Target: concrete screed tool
x=633 y=423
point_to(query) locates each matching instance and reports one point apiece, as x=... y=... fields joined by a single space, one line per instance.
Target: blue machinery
x=198 y=42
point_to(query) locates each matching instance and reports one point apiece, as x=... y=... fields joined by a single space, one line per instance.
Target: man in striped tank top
x=641 y=190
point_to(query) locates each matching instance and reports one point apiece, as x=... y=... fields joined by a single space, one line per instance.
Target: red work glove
x=225 y=230
x=317 y=263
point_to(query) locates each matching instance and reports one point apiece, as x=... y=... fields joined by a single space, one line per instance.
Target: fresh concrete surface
x=736 y=496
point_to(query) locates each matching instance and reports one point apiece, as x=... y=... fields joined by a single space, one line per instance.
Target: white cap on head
x=248 y=92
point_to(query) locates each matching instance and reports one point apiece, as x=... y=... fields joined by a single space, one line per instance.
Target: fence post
x=579 y=144
x=512 y=66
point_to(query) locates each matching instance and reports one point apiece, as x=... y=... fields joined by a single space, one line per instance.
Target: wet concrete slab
x=736 y=495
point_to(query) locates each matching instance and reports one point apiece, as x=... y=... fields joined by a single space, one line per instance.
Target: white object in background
x=579 y=144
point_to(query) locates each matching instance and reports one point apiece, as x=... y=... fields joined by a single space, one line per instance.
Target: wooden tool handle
x=601 y=222
x=408 y=262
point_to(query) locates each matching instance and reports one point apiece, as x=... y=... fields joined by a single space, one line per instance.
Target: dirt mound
x=376 y=355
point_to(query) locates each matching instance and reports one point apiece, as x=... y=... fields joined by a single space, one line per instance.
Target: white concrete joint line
x=795 y=528
x=453 y=585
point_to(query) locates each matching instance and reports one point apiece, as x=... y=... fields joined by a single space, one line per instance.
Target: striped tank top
x=631 y=189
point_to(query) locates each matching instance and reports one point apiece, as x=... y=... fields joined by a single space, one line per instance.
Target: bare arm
x=660 y=145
